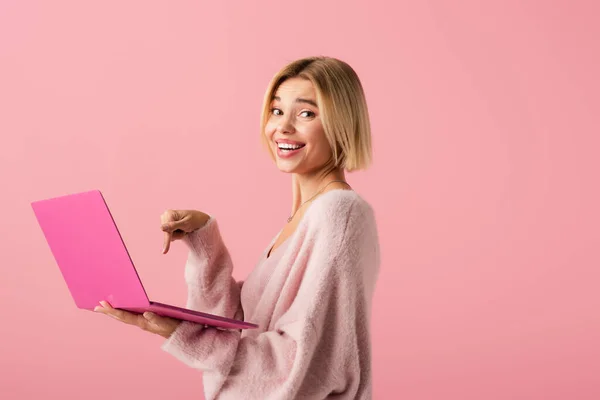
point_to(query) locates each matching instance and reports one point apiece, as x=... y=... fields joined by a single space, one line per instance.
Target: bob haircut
x=342 y=107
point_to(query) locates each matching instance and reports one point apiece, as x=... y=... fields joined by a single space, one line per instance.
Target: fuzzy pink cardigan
x=313 y=307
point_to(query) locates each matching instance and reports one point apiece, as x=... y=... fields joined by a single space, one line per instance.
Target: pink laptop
x=95 y=263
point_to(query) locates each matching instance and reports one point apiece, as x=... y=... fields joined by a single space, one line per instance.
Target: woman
x=311 y=290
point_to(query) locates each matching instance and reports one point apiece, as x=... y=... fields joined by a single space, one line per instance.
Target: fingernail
x=148 y=315
x=97 y=308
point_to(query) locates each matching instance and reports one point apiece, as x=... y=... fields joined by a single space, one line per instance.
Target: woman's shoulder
x=339 y=208
x=343 y=222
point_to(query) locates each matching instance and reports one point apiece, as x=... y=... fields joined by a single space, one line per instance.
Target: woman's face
x=294 y=129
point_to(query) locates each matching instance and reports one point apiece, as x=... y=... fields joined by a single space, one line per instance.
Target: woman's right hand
x=178 y=223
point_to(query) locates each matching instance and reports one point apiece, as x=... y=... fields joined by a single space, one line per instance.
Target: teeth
x=288 y=146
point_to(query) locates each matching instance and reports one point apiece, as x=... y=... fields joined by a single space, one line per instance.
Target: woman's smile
x=288 y=148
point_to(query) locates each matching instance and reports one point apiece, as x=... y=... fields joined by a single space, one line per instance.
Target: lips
x=288 y=148
x=287 y=145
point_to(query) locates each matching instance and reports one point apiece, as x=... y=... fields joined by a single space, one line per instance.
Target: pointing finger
x=167 y=242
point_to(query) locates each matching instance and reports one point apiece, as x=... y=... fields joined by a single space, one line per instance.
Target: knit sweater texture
x=311 y=299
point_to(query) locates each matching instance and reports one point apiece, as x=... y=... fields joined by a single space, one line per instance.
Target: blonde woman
x=312 y=287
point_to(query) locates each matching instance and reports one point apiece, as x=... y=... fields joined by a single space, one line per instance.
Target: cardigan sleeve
x=318 y=346
x=208 y=274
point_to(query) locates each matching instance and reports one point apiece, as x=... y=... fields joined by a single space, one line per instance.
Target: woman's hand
x=178 y=223
x=163 y=326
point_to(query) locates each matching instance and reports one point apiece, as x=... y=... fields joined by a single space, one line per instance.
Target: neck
x=304 y=186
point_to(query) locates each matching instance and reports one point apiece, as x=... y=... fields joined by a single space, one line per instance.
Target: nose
x=286 y=125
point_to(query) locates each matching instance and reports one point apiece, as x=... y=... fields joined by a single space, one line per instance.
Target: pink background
x=485 y=182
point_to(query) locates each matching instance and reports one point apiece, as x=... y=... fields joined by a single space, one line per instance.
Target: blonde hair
x=342 y=106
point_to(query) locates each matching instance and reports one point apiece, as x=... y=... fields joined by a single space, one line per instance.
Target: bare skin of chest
x=287 y=231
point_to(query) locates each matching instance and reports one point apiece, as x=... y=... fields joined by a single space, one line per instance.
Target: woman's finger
x=163 y=326
x=170 y=221
x=106 y=308
x=121 y=315
x=182 y=224
x=174 y=227
x=148 y=321
x=153 y=320
x=167 y=242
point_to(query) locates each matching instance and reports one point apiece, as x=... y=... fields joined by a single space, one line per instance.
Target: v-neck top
x=311 y=301
x=259 y=277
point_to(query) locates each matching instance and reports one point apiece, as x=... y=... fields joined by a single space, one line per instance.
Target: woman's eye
x=275 y=111
x=307 y=114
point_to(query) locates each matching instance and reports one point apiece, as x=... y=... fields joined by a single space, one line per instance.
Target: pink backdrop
x=485 y=181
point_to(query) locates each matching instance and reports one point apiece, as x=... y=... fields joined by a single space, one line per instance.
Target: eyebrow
x=300 y=100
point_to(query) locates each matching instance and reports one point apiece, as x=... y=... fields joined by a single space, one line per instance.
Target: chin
x=289 y=169
x=301 y=169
